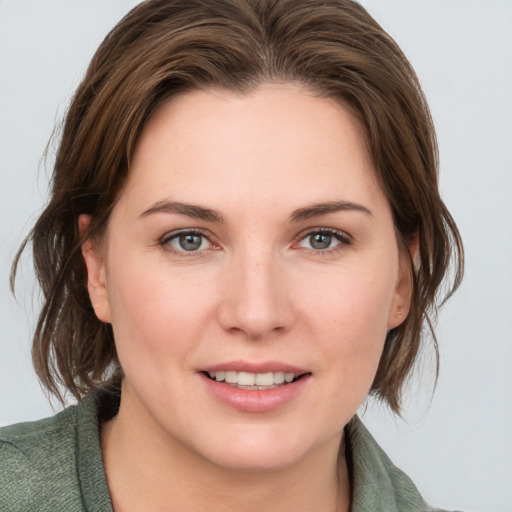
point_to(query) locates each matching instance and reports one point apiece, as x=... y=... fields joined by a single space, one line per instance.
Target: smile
x=255 y=387
x=253 y=381
x=255 y=392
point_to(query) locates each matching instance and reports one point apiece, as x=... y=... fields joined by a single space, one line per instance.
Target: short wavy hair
x=162 y=48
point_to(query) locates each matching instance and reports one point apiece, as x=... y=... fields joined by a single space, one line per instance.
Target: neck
x=149 y=470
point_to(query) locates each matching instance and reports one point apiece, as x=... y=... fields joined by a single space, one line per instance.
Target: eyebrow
x=190 y=210
x=209 y=215
x=317 y=210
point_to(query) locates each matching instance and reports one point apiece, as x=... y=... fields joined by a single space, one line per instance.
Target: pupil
x=190 y=242
x=320 y=241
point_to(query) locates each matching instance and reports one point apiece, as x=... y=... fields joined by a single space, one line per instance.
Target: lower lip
x=255 y=400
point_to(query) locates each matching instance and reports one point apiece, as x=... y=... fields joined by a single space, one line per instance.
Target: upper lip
x=255 y=367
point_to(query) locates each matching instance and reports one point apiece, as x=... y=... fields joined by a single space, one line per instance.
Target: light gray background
x=458 y=447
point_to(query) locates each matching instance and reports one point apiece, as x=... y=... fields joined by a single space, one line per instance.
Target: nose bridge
x=256 y=299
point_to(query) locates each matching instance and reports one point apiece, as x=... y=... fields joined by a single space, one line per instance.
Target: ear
x=96 y=275
x=402 y=295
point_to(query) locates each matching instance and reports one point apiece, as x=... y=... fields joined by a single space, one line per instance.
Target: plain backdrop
x=457 y=446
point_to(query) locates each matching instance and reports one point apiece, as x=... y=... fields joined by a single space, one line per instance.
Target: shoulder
x=38 y=464
x=377 y=483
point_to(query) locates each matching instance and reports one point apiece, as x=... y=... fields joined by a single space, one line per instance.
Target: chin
x=256 y=461
x=254 y=450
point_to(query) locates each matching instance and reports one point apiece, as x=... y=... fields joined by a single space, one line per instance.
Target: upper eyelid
x=174 y=233
x=332 y=231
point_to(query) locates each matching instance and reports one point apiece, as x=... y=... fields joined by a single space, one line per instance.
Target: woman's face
x=251 y=245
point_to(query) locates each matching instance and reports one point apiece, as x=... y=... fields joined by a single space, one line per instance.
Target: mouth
x=255 y=387
x=254 y=381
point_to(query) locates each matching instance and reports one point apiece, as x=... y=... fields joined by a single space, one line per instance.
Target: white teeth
x=255 y=380
x=232 y=377
x=279 y=377
x=264 y=379
x=246 y=379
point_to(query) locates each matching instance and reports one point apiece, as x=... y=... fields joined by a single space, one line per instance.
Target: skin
x=255 y=290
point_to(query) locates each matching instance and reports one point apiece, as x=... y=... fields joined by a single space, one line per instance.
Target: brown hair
x=164 y=47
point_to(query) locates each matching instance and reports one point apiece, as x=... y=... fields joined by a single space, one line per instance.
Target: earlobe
x=397 y=315
x=96 y=275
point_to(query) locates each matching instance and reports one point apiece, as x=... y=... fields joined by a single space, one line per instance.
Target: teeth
x=231 y=377
x=253 y=380
x=279 y=377
x=264 y=379
x=246 y=379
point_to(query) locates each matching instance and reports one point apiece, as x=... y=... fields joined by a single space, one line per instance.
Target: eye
x=186 y=241
x=320 y=241
x=324 y=240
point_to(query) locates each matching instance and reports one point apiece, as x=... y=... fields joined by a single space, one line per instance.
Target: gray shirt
x=55 y=464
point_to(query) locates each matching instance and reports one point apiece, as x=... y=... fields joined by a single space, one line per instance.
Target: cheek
x=355 y=302
x=154 y=312
x=350 y=323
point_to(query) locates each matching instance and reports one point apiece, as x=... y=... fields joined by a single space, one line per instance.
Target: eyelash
x=343 y=238
x=165 y=242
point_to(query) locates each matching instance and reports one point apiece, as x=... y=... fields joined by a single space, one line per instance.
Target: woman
x=244 y=239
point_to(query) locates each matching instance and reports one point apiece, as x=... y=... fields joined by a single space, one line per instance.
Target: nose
x=256 y=298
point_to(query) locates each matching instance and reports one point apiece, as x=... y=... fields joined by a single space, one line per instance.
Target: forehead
x=281 y=141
